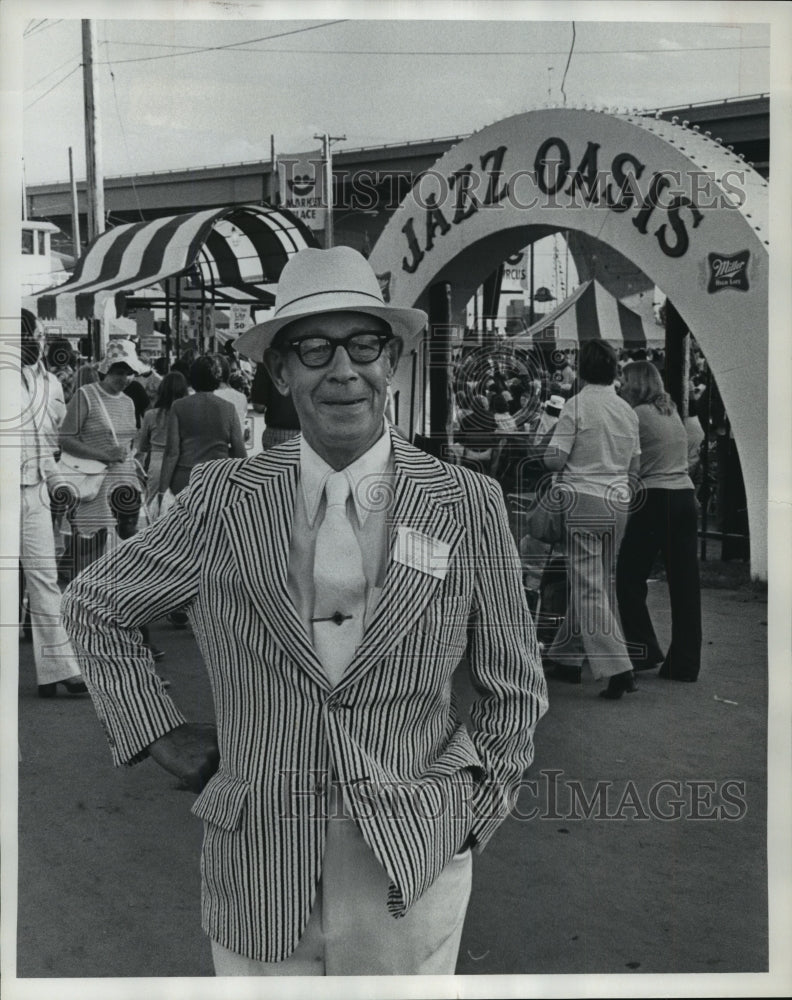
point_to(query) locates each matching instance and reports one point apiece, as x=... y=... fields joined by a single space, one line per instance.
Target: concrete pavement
x=640 y=847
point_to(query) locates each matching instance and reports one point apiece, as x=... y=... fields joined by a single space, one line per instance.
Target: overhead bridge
x=370 y=182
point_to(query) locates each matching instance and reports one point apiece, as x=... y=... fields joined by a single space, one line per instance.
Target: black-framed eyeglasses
x=318 y=352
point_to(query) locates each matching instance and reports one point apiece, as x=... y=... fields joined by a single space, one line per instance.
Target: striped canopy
x=590 y=313
x=236 y=253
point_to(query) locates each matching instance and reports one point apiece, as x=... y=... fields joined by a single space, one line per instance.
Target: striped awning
x=590 y=313
x=235 y=253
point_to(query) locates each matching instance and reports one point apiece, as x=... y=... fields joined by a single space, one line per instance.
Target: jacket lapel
x=259 y=529
x=423 y=491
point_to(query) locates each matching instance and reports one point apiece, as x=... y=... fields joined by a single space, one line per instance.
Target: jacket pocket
x=445 y=622
x=445 y=611
x=223 y=801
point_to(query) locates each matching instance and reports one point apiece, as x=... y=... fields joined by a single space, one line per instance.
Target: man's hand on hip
x=190 y=752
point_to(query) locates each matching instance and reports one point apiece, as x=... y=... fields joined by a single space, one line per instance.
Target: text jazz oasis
x=616 y=190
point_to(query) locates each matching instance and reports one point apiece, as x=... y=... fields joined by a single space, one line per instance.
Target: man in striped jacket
x=334 y=584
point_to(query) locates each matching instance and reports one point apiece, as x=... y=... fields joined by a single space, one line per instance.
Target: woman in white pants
x=53 y=655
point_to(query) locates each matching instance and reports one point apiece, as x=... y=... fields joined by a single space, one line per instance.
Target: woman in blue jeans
x=663 y=519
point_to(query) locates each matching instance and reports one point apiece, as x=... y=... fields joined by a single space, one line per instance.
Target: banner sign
x=239 y=319
x=301 y=178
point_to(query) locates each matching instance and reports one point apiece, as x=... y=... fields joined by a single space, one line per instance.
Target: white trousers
x=592 y=630
x=52 y=651
x=350 y=931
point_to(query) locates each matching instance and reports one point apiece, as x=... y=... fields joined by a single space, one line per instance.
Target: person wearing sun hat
x=335 y=582
x=100 y=424
x=123 y=352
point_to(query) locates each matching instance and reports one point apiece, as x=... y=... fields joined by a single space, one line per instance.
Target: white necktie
x=339 y=584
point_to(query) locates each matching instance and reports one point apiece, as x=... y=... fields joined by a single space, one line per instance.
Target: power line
x=231 y=45
x=41 y=26
x=569 y=60
x=126 y=146
x=32 y=27
x=42 y=96
x=431 y=52
x=52 y=72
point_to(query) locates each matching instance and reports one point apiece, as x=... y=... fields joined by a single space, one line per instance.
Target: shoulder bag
x=86 y=475
x=544 y=520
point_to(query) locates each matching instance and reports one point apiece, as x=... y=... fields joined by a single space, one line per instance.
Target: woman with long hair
x=140 y=400
x=663 y=519
x=594 y=448
x=152 y=438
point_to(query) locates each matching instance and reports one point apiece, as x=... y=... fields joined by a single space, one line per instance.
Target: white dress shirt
x=371 y=480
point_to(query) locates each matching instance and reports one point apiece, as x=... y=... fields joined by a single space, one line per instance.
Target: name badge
x=421 y=552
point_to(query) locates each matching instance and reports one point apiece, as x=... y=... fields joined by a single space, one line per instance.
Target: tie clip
x=338 y=618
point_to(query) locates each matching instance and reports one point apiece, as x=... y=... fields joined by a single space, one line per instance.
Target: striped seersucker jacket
x=389 y=732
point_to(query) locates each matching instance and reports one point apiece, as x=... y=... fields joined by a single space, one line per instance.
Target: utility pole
x=24 y=193
x=93 y=162
x=327 y=161
x=93 y=135
x=75 y=209
x=273 y=192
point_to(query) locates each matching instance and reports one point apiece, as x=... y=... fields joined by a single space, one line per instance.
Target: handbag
x=545 y=525
x=544 y=521
x=86 y=475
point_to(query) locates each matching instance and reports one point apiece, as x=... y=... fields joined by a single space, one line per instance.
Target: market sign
x=302 y=188
x=687 y=212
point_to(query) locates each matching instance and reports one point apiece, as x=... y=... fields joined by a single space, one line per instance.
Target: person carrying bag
x=85 y=475
x=544 y=520
x=96 y=463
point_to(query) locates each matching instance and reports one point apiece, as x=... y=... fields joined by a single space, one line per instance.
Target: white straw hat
x=555 y=403
x=122 y=352
x=326 y=281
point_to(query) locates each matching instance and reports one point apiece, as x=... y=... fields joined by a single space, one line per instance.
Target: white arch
x=686 y=211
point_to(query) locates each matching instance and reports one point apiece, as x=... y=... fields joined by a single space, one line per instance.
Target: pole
x=178 y=317
x=675 y=350
x=439 y=365
x=531 y=307
x=168 y=341
x=93 y=135
x=24 y=193
x=76 y=242
x=273 y=192
x=327 y=162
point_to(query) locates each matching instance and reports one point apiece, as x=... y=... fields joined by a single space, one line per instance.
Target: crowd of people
x=104 y=443
x=600 y=426
x=514 y=414
x=283 y=564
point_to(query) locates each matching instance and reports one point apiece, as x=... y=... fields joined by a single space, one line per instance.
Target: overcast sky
x=190 y=93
